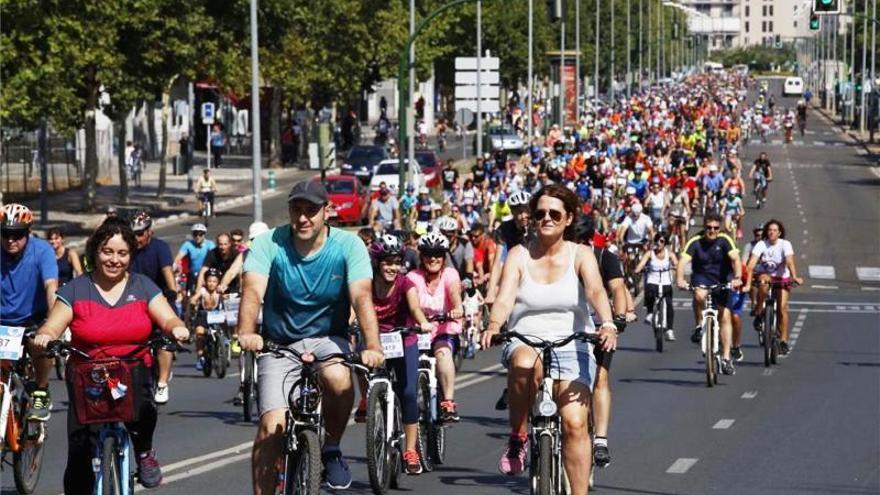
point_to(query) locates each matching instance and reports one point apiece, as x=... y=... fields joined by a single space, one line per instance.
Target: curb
x=846 y=132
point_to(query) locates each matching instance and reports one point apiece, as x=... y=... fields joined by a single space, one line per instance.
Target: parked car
x=362 y=160
x=793 y=86
x=350 y=200
x=430 y=165
x=501 y=138
x=388 y=172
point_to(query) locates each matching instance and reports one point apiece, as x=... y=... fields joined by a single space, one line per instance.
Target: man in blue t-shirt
x=28 y=280
x=195 y=250
x=308 y=276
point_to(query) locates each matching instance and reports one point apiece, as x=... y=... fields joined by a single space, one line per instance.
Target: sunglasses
x=14 y=235
x=554 y=215
x=433 y=254
x=713 y=227
x=198 y=234
x=141 y=233
x=309 y=211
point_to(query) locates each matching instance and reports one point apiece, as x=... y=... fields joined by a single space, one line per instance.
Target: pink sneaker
x=513 y=461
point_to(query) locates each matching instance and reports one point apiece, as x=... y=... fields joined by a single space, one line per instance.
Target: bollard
x=271 y=180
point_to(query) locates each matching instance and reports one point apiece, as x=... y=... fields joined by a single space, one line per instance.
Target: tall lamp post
x=256 y=157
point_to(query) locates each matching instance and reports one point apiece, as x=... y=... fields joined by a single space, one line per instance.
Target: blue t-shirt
x=151 y=260
x=217 y=138
x=197 y=254
x=713 y=183
x=307 y=296
x=22 y=282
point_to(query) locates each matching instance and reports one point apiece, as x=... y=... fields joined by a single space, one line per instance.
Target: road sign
x=464 y=117
x=207 y=113
x=486 y=106
x=470 y=78
x=470 y=92
x=470 y=63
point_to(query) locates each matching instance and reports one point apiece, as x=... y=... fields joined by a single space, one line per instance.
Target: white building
x=763 y=20
x=719 y=21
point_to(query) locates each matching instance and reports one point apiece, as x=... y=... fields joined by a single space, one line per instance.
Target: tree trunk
x=90 y=171
x=163 y=148
x=123 y=175
x=275 y=129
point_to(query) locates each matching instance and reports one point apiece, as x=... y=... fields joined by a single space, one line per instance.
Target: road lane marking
x=207 y=457
x=768 y=372
x=870 y=288
x=200 y=470
x=723 y=424
x=749 y=395
x=868 y=273
x=681 y=465
x=822 y=272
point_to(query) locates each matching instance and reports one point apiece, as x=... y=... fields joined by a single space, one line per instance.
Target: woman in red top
x=110 y=312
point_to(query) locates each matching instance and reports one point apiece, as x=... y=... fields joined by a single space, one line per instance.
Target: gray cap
x=309 y=190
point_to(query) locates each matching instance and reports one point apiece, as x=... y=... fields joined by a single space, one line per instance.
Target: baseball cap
x=309 y=190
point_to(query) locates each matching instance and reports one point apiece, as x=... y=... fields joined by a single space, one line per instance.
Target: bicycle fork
x=711 y=315
x=122 y=457
x=430 y=364
x=389 y=411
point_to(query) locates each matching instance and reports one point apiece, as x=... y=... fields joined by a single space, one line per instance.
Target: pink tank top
x=437 y=302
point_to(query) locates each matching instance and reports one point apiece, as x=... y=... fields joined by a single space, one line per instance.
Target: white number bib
x=216 y=317
x=10 y=342
x=392 y=345
x=425 y=341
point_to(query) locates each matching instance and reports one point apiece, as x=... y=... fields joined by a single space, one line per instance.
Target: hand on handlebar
x=427 y=327
x=41 y=341
x=180 y=334
x=682 y=284
x=371 y=358
x=252 y=342
x=607 y=339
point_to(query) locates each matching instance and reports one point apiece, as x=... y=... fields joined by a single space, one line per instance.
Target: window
x=771 y=11
x=763 y=26
x=764 y=10
x=770 y=26
x=748 y=12
x=795 y=24
x=747 y=26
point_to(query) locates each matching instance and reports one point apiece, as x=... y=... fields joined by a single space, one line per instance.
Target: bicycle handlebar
x=350 y=359
x=62 y=348
x=542 y=344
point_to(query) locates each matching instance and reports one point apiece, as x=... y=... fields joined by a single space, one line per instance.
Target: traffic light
x=814 y=22
x=826 y=7
x=554 y=10
x=777 y=41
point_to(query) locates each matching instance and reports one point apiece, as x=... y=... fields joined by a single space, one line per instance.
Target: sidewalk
x=234 y=186
x=854 y=135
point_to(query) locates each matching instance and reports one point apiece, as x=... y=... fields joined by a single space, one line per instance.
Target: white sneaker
x=161 y=396
x=649 y=319
x=670 y=336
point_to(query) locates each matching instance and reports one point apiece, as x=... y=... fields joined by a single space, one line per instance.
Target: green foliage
x=758 y=58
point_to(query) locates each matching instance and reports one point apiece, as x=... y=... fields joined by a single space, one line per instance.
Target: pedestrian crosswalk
x=828 y=272
x=778 y=142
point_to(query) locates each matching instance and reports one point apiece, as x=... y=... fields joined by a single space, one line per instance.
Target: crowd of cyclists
x=561 y=239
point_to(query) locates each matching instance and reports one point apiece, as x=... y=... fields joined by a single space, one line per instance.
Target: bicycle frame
x=123 y=464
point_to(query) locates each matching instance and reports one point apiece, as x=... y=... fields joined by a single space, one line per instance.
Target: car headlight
x=346 y=166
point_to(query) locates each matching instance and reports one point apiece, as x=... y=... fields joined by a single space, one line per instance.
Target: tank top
x=659 y=270
x=551 y=311
x=65 y=269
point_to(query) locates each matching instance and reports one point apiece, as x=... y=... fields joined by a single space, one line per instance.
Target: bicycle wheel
x=209 y=356
x=425 y=423
x=770 y=326
x=248 y=386
x=378 y=467
x=437 y=437
x=543 y=472
x=458 y=356
x=656 y=320
x=395 y=451
x=709 y=338
x=766 y=336
x=303 y=470
x=111 y=478
x=221 y=357
x=28 y=461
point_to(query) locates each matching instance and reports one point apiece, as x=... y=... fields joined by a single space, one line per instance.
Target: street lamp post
x=641 y=50
x=862 y=112
x=596 y=54
x=613 y=50
x=628 y=50
x=530 y=83
x=256 y=158
x=577 y=62
x=562 y=71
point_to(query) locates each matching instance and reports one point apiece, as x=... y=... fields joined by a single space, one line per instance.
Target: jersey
x=22 y=282
x=151 y=260
x=307 y=296
x=196 y=253
x=771 y=257
x=637 y=230
x=710 y=259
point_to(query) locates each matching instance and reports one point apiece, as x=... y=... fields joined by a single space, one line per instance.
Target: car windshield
x=498 y=131
x=366 y=154
x=387 y=169
x=426 y=159
x=340 y=187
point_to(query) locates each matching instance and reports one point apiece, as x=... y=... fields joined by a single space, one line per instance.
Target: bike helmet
x=630 y=191
x=433 y=241
x=213 y=272
x=519 y=199
x=256 y=229
x=386 y=246
x=199 y=227
x=423 y=190
x=758 y=228
x=446 y=224
x=140 y=221
x=733 y=191
x=16 y=216
x=636 y=208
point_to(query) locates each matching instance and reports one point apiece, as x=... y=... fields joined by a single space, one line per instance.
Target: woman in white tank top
x=545 y=288
x=659 y=265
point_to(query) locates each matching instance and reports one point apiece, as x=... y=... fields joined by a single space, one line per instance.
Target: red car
x=350 y=199
x=431 y=165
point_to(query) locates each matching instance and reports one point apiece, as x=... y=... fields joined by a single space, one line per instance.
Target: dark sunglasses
x=198 y=234
x=141 y=233
x=430 y=253
x=309 y=211
x=14 y=235
x=713 y=227
x=554 y=215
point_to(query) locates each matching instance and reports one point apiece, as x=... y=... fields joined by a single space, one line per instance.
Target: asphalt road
x=809 y=425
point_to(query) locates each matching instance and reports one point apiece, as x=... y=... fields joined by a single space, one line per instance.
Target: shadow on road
x=677 y=383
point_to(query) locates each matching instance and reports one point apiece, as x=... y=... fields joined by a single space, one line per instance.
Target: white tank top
x=551 y=311
x=659 y=270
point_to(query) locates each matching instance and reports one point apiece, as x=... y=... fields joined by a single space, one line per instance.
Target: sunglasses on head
x=554 y=215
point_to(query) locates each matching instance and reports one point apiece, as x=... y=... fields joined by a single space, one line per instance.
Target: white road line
x=862 y=152
x=819 y=143
x=207 y=457
x=822 y=272
x=200 y=470
x=723 y=424
x=868 y=273
x=749 y=395
x=870 y=288
x=681 y=465
x=768 y=372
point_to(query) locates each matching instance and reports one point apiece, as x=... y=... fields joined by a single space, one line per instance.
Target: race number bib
x=392 y=345
x=10 y=342
x=216 y=317
x=425 y=341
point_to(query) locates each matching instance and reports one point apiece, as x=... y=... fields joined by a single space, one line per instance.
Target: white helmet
x=199 y=227
x=520 y=198
x=630 y=191
x=423 y=190
x=637 y=208
x=433 y=241
x=445 y=224
x=256 y=229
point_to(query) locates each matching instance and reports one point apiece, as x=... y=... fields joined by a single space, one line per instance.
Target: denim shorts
x=576 y=365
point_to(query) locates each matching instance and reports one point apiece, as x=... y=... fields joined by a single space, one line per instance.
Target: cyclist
x=678 y=212
x=511 y=233
x=485 y=250
x=714 y=260
x=384 y=213
x=776 y=256
x=500 y=209
x=423 y=213
x=434 y=290
x=757 y=235
x=69 y=265
x=659 y=263
x=389 y=297
x=732 y=206
x=541 y=284
x=219 y=258
x=28 y=281
x=205 y=189
x=634 y=232
x=308 y=276
x=460 y=255
x=449 y=176
x=206 y=298
x=712 y=184
x=84 y=307
x=762 y=174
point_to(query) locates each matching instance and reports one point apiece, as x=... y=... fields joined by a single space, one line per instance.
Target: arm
x=200 y=280
x=59 y=318
x=51 y=285
x=588 y=270
x=233 y=272
x=74 y=262
x=510 y=277
x=162 y=314
x=456 y=311
x=789 y=262
x=252 y=292
x=737 y=268
x=361 y=294
x=679 y=271
x=494 y=278
x=168 y=276
x=644 y=261
x=415 y=309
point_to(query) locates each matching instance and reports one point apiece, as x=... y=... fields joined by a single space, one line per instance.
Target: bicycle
x=24 y=439
x=431 y=443
x=217 y=354
x=112 y=461
x=632 y=278
x=709 y=342
x=207 y=211
x=304 y=430
x=546 y=472
x=768 y=332
x=659 y=321
x=760 y=191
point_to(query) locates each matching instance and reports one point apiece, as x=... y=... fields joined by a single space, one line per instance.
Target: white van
x=793 y=86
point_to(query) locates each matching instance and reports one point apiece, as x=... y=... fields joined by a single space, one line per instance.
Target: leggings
x=82 y=440
x=406 y=371
x=652 y=294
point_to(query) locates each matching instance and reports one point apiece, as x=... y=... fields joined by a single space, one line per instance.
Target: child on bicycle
x=206 y=299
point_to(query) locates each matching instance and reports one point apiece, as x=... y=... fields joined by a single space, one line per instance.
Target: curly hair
x=112 y=226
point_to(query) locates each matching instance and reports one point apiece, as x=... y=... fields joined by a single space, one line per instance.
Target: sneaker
x=601 y=456
x=697 y=335
x=360 y=415
x=412 y=462
x=239 y=398
x=161 y=396
x=200 y=363
x=513 y=460
x=670 y=336
x=41 y=406
x=449 y=412
x=736 y=353
x=758 y=323
x=149 y=473
x=336 y=471
x=501 y=405
x=783 y=348
x=727 y=367
x=649 y=320
x=235 y=347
